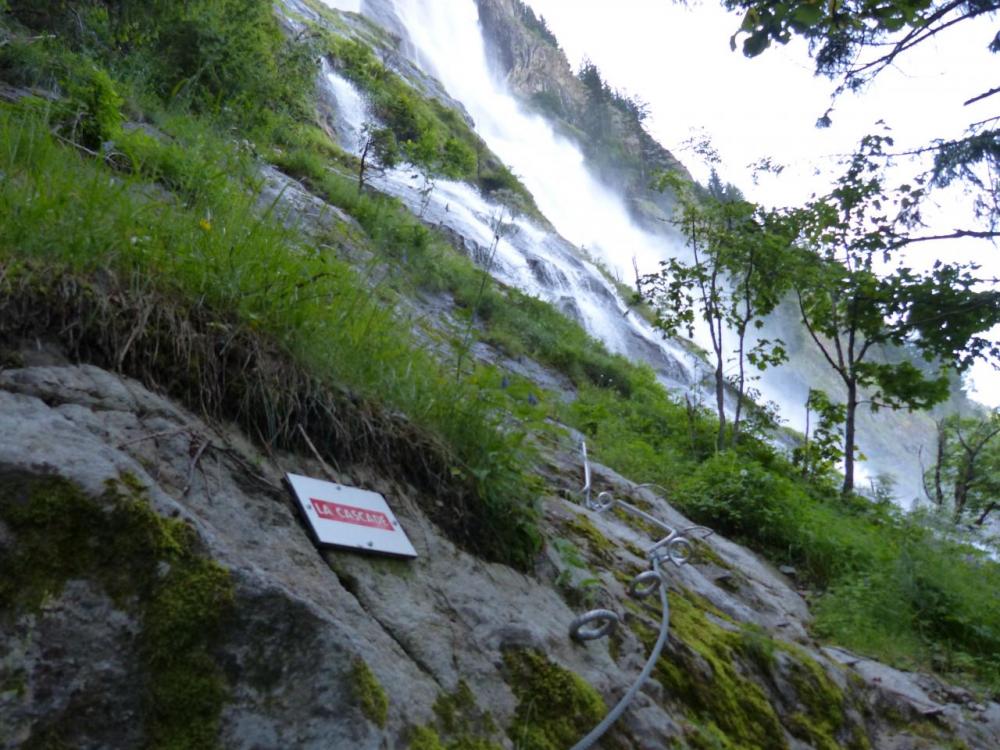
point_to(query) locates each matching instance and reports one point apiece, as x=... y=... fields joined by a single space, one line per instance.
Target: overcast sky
x=677 y=58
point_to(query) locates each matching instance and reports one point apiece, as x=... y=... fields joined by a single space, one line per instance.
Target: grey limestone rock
x=303 y=619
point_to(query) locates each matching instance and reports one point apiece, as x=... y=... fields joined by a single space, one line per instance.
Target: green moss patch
x=705 y=677
x=718 y=675
x=149 y=566
x=459 y=724
x=555 y=706
x=822 y=717
x=601 y=548
x=369 y=693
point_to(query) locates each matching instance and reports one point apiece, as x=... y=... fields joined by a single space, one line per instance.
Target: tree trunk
x=941 y=447
x=361 y=167
x=852 y=407
x=720 y=403
x=963 y=481
x=741 y=384
x=806 y=459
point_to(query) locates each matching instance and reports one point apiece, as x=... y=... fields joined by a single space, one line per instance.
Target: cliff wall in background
x=616 y=146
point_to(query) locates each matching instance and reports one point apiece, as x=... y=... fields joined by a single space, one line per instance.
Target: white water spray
x=582 y=209
x=351 y=107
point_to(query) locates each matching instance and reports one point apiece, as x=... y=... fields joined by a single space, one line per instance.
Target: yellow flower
x=205 y=224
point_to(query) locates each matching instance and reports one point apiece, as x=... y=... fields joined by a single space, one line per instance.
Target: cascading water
x=581 y=209
x=527 y=257
x=553 y=169
x=351 y=108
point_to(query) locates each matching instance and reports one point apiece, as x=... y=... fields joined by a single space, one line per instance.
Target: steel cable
x=674 y=547
x=597 y=732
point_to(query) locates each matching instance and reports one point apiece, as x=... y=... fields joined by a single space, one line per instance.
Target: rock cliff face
x=616 y=146
x=297 y=647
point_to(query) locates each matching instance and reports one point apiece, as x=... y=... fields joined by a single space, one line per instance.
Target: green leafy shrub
x=98 y=116
x=221 y=56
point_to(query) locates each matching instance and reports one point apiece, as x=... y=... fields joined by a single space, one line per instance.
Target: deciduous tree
x=966 y=472
x=856 y=297
x=731 y=282
x=853 y=41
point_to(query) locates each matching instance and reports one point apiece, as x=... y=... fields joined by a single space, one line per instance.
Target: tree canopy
x=731 y=282
x=853 y=41
x=966 y=472
x=857 y=297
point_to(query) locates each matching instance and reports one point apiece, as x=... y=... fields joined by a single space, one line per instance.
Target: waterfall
x=350 y=108
x=584 y=212
x=536 y=261
x=582 y=209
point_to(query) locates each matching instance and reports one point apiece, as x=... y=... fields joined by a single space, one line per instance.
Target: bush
x=222 y=56
x=98 y=117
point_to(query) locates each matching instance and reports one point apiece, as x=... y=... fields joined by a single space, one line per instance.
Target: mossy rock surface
x=369 y=692
x=556 y=707
x=460 y=724
x=150 y=567
x=701 y=672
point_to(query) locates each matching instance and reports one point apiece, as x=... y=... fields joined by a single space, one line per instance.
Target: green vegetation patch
x=555 y=707
x=239 y=321
x=222 y=57
x=890 y=589
x=369 y=693
x=428 y=133
x=148 y=565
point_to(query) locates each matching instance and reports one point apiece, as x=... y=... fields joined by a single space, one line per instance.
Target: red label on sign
x=350 y=514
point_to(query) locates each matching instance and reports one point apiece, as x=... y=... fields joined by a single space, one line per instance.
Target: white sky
x=677 y=58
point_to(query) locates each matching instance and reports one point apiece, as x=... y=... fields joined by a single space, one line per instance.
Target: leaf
x=756 y=43
x=809 y=15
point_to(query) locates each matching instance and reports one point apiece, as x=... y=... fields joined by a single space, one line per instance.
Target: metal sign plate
x=349 y=517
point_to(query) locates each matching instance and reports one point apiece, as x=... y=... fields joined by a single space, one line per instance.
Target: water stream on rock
x=536 y=261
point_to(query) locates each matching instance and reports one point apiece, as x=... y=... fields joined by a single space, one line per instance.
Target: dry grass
x=220 y=367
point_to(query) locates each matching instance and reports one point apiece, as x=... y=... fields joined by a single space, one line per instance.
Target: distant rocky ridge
x=626 y=157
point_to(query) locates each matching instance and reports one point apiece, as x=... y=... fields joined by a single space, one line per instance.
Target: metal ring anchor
x=645 y=584
x=675 y=548
x=605 y=501
x=608 y=622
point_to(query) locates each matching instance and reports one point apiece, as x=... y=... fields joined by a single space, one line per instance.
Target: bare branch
x=982 y=96
x=957 y=234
